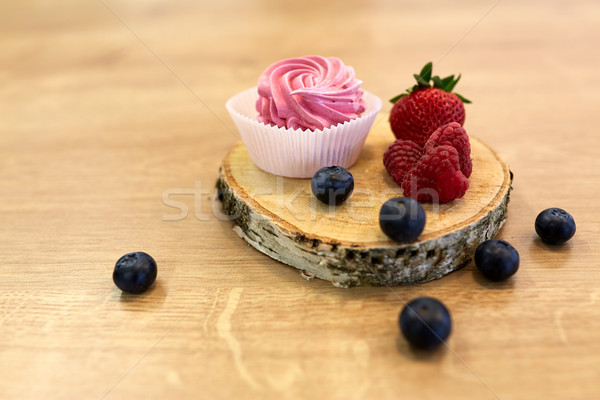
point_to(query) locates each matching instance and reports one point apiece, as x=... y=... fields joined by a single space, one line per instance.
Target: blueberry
x=332 y=185
x=555 y=226
x=135 y=272
x=496 y=259
x=402 y=219
x=425 y=322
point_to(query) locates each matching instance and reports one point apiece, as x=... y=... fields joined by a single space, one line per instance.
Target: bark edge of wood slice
x=344 y=245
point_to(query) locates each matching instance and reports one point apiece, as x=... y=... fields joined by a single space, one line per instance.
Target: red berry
x=416 y=116
x=438 y=172
x=400 y=157
x=454 y=135
x=431 y=158
x=436 y=177
x=426 y=106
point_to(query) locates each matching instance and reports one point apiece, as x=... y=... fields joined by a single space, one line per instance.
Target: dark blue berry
x=402 y=219
x=496 y=259
x=555 y=226
x=425 y=322
x=332 y=185
x=135 y=272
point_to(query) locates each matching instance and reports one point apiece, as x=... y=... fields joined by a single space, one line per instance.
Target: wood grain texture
x=103 y=150
x=344 y=245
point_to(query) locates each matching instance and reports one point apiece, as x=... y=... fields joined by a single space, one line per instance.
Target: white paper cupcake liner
x=298 y=153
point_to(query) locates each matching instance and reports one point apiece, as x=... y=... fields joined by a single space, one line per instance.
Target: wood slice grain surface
x=281 y=218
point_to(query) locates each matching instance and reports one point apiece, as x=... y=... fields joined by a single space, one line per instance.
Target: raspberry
x=436 y=177
x=400 y=157
x=439 y=172
x=454 y=135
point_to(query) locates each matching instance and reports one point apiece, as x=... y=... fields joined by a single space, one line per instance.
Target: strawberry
x=426 y=106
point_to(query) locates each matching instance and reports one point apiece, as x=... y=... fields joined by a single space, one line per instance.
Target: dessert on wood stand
x=309 y=113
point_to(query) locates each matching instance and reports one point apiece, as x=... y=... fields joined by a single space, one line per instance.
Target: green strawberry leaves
x=401 y=95
x=421 y=81
x=424 y=80
x=447 y=81
x=425 y=73
x=451 y=84
x=463 y=99
x=437 y=82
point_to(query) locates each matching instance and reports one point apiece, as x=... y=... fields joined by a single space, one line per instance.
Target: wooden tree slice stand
x=281 y=218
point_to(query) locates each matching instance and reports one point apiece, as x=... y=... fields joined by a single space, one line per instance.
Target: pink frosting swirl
x=310 y=92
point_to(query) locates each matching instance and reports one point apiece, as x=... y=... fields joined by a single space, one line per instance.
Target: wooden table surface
x=112 y=128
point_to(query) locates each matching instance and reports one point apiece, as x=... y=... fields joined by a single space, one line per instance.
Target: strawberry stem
x=425 y=80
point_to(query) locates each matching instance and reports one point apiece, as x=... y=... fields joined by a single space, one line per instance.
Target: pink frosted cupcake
x=307 y=113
